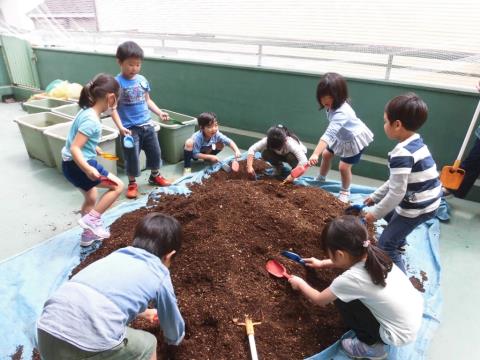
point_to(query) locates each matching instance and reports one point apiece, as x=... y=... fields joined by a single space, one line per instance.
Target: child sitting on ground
x=375 y=299
x=79 y=154
x=346 y=135
x=133 y=118
x=88 y=316
x=278 y=147
x=206 y=143
x=412 y=194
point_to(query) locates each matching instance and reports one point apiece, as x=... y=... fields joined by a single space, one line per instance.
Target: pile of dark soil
x=232 y=226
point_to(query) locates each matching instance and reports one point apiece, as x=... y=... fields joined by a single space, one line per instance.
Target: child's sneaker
x=95 y=225
x=132 y=190
x=321 y=178
x=356 y=349
x=88 y=238
x=344 y=196
x=277 y=170
x=187 y=171
x=158 y=180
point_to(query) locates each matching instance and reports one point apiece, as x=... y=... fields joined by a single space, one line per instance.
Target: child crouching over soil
x=87 y=317
x=374 y=297
x=206 y=143
x=278 y=147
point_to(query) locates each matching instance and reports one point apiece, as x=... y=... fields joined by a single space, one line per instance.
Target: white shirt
x=291 y=146
x=398 y=306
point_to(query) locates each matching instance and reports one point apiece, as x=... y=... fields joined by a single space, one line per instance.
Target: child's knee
x=344 y=167
x=327 y=155
x=120 y=187
x=189 y=144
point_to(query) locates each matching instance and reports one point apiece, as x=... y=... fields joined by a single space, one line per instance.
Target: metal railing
x=259 y=50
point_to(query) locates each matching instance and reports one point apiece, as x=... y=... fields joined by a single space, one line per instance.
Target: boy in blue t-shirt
x=207 y=142
x=132 y=117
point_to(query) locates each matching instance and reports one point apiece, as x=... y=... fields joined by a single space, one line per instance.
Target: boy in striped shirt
x=411 y=195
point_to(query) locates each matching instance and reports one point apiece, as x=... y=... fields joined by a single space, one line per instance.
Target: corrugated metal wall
x=20 y=62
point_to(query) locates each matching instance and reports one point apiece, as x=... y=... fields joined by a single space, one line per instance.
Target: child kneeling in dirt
x=374 y=297
x=279 y=146
x=207 y=142
x=87 y=317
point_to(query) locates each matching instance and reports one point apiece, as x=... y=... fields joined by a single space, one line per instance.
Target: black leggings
x=361 y=320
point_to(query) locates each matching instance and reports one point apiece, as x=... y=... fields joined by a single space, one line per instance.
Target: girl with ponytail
x=278 y=147
x=79 y=155
x=374 y=297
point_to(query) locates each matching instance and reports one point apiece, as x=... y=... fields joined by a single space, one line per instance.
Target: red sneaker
x=132 y=190
x=158 y=180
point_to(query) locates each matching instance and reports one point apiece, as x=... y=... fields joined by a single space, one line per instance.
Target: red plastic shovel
x=299 y=170
x=277 y=269
x=106 y=181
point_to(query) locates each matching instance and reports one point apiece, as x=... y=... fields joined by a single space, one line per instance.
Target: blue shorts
x=352 y=160
x=78 y=178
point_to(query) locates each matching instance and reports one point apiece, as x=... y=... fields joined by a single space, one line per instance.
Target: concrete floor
x=39 y=203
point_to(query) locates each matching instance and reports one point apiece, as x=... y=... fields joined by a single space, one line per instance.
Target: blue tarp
x=28 y=279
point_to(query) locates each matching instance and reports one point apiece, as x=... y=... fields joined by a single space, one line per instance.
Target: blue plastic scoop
x=355 y=209
x=293 y=256
x=128 y=141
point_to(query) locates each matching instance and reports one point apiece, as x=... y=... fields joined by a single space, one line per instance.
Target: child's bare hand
x=164 y=116
x=369 y=201
x=93 y=173
x=296 y=282
x=314 y=263
x=238 y=154
x=369 y=218
x=313 y=160
x=251 y=171
x=214 y=158
x=149 y=315
x=125 y=131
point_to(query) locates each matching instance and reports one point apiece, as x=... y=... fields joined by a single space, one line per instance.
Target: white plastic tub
x=57 y=135
x=32 y=127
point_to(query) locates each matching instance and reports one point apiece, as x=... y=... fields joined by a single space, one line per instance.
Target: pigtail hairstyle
x=348 y=234
x=277 y=137
x=97 y=88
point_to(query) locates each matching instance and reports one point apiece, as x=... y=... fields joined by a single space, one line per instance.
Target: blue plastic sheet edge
x=28 y=279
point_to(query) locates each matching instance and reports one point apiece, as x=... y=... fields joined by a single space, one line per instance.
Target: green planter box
x=57 y=135
x=42 y=105
x=172 y=136
x=69 y=110
x=108 y=121
x=32 y=127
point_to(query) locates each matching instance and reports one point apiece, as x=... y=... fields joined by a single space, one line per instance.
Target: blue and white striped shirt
x=413 y=188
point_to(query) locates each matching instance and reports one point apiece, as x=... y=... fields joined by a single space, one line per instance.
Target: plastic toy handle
x=292 y=256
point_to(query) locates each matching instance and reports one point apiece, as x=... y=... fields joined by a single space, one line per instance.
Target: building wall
x=254 y=99
x=4 y=77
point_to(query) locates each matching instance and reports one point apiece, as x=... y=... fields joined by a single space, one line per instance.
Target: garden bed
x=231 y=227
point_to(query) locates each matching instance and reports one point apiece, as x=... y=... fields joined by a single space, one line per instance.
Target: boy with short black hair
x=132 y=117
x=411 y=196
x=207 y=142
x=88 y=316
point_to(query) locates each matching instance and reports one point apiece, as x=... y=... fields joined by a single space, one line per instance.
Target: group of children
x=87 y=317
